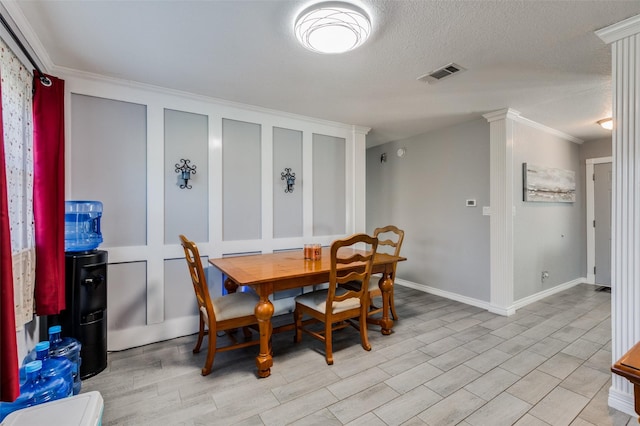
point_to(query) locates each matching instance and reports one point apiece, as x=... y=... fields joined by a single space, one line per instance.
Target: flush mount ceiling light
x=332 y=27
x=606 y=123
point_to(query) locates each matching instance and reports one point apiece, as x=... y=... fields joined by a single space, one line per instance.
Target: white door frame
x=591 y=232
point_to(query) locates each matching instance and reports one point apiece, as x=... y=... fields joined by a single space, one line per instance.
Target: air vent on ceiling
x=441 y=73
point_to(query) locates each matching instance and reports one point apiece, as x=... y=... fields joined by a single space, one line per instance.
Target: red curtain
x=10 y=384
x=48 y=194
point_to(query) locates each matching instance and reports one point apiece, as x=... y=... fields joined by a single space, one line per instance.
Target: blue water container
x=69 y=348
x=55 y=366
x=82 y=225
x=35 y=390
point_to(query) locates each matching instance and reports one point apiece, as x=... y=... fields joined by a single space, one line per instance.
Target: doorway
x=598 y=195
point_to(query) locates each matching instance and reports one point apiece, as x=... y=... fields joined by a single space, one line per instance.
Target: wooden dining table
x=273 y=272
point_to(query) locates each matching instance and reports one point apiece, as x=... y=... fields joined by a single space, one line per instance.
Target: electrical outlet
x=544 y=276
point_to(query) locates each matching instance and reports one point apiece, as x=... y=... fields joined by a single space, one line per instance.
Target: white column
x=356 y=219
x=502 y=209
x=624 y=38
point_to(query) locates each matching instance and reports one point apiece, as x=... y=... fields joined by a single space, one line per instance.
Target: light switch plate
x=486 y=211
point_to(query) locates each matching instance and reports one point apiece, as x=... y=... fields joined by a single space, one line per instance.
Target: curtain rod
x=43 y=78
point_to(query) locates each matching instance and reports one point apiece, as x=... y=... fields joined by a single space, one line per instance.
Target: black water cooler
x=85 y=316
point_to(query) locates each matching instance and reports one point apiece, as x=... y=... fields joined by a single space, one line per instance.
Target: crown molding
x=514 y=115
x=73 y=73
x=620 y=30
x=24 y=29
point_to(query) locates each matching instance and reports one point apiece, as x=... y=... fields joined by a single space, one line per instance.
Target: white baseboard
x=443 y=293
x=118 y=340
x=546 y=293
x=170 y=329
x=622 y=402
x=510 y=310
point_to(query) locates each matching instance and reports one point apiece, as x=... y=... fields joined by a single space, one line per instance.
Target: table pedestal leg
x=386 y=286
x=264 y=311
x=636 y=398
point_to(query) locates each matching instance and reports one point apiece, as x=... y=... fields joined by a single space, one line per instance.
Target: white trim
x=622 y=402
x=33 y=43
x=549 y=130
x=504 y=311
x=119 y=340
x=515 y=115
x=443 y=293
x=591 y=232
x=501 y=200
x=69 y=73
x=620 y=30
x=520 y=303
x=501 y=114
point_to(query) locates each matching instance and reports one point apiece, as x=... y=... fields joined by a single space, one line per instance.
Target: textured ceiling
x=541 y=58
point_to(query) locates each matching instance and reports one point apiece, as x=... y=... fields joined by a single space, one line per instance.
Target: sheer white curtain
x=18 y=139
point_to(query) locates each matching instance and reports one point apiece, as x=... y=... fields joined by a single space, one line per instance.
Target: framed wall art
x=548 y=184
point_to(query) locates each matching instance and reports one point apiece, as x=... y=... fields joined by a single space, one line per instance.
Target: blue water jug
x=82 y=225
x=69 y=348
x=55 y=366
x=35 y=390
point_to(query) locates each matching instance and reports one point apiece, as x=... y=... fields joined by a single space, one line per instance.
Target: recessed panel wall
x=287 y=206
x=185 y=209
x=126 y=295
x=241 y=180
x=329 y=204
x=179 y=297
x=108 y=163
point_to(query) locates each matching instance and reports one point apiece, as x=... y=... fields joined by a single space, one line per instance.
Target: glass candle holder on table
x=312 y=251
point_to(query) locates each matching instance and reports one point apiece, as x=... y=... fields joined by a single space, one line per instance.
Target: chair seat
x=373 y=283
x=234 y=305
x=317 y=300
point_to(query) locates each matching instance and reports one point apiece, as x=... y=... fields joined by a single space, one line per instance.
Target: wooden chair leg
x=196 y=349
x=211 y=353
x=247 y=333
x=364 y=337
x=328 y=342
x=297 y=317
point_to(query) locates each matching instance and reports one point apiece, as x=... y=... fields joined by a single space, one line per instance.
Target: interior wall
x=425 y=192
x=597 y=148
x=123 y=142
x=548 y=237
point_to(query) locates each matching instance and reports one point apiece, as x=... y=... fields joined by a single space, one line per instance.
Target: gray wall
x=329 y=182
x=109 y=158
x=425 y=193
x=595 y=149
x=547 y=236
x=185 y=210
x=287 y=206
x=241 y=180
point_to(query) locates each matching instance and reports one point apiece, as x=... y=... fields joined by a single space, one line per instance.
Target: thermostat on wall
x=471 y=203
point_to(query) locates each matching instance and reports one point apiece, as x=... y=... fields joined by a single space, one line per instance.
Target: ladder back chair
x=224 y=313
x=388 y=236
x=336 y=306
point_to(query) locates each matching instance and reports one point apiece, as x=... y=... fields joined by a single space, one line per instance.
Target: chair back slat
x=347 y=257
x=198 y=278
x=395 y=243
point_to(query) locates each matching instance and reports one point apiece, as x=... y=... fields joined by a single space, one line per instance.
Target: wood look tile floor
x=446 y=363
